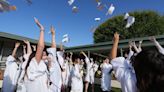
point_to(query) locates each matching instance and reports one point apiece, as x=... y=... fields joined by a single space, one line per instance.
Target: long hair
x=149 y=69
x=29 y=60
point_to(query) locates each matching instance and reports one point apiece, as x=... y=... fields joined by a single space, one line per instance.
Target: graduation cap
x=5 y=6
x=65 y=38
x=66 y=35
x=126 y=16
x=74 y=9
x=110 y=10
x=97 y=19
x=130 y=21
x=70 y=2
x=100 y=6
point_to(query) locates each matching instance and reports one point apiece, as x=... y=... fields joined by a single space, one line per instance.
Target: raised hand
x=133 y=43
x=24 y=46
x=140 y=42
x=152 y=38
x=26 y=41
x=39 y=24
x=17 y=44
x=82 y=52
x=116 y=37
x=34 y=47
x=52 y=30
x=71 y=53
x=130 y=45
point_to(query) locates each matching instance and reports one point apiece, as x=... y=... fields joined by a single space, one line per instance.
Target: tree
x=147 y=23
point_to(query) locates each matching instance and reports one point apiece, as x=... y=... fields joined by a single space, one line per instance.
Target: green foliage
x=147 y=23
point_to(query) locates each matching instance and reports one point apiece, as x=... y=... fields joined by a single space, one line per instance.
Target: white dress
x=89 y=66
x=10 y=75
x=92 y=72
x=63 y=65
x=69 y=74
x=55 y=72
x=77 y=82
x=124 y=75
x=106 y=77
x=37 y=77
x=21 y=81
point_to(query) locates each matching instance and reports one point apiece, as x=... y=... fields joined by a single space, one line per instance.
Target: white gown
x=69 y=73
x=87 y=77
x=92 y=72
x=10 y=75
x=63 y=65
x=124 y=74
x=37 y=77
x=106 y=77
x=77 y=82
x=21 y=81
x=55 y=72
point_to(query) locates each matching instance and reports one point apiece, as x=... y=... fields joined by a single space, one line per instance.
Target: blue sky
x=59 y=14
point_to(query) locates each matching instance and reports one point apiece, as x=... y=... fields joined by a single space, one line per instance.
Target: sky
x=58 y=13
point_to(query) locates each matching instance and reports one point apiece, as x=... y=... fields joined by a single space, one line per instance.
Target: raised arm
x=130 y=51
x=34 y=47
x=40 y=45
x=70 y=59
x=29 y=50
x=15 y=49
x=53 y=43
x=61 y=47
x=83 y=53
x=24 y=49
x=135 y=47
x=86 y=57
x=113 y=53
x=139 y=46
x=158 y=46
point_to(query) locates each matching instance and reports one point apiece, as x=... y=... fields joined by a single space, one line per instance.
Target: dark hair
x=74 y=57
x=29 y=60
x=149 y=69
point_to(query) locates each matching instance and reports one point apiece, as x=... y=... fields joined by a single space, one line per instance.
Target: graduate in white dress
x=92 y=67
x=76 y=79
x=21 y=81
x=63 y=65
x=106 y=69
x=148 y=66
x=11 y=72
x=122 y=72
x=54 y=66
x=36 y=70
x=87 y=76
x=93 y=70
x=69 y=70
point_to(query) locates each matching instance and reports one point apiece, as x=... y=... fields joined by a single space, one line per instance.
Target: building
x=7 y=43
x=103 y=49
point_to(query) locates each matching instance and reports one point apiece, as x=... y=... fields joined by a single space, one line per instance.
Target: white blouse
x=10 y=75
x=106 y=77
x=124 y=74
x=37 y=77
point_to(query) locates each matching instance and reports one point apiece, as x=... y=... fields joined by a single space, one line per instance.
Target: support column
x=1 y=50
x=88 y=54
